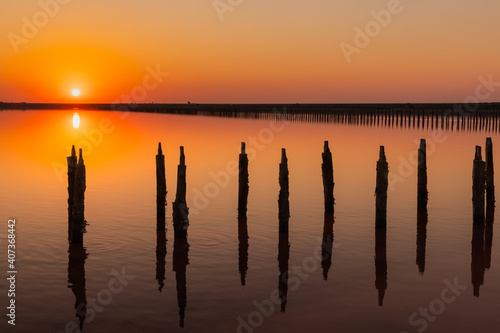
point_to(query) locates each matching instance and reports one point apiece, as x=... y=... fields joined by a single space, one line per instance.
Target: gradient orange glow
x=264 y=51
x=121 y=146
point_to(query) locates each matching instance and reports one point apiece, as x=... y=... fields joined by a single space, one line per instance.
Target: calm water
x=362 y=288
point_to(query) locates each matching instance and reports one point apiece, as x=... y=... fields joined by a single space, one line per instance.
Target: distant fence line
x=464 y=117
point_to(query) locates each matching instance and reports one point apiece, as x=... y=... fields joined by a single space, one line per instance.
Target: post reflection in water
x=76 y=279
x=242 y=248
x=381 y=263
x=327 y=244
x=283 y=256
x=422 y=219
x=179 y=262
x=478 y=264
x=161 y=252
x=488 y=234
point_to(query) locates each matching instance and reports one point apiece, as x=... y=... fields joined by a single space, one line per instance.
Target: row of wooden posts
x=482 y=176
x=180 y=212
x=483 y=182
x=482 y=179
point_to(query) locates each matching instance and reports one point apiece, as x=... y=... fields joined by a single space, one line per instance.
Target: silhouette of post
x=381 y=263
x=72 y=162
x=76 y=279
x=478 y=257
x=327 y=244
x=180 y=260
x=490 y=181
x=422 y=218
x=283 y=256
x=328 y=183
x=76 y=197
x=242 y=248
x=161 y=189
x=243 y=182
x=180 y=209
x=283 y=200
x=381 y=190
x=161 y=252
x=422 y=194
x=478 y=186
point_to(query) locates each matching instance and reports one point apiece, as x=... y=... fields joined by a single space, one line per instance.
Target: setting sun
x=76 y=92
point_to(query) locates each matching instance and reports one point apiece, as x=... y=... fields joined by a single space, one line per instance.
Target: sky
x=248 y=51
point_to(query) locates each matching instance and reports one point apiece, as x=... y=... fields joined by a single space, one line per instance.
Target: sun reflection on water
x=76 y=120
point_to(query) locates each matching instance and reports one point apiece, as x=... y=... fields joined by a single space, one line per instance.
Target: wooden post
x=72 y=162
x=328 y=183
x=243 y=182
x=161 y=189
x=381 y=190
x=76 y=200
x=283 y=203
x=490 y=181
x=180 y=209
x=478 y=186
x=422 y=194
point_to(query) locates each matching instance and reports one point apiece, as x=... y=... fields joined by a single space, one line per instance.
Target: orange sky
x=263 y=51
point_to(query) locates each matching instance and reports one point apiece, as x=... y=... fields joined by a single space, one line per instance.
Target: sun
x=76 y=92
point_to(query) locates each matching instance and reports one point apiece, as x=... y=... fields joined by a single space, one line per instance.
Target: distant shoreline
x=259 y=108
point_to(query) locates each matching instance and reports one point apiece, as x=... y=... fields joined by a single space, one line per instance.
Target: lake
x=434 y=271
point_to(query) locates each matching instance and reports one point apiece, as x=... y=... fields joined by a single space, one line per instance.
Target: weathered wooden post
x=422 y=194
x=242 y=248
x=478 y=186
x=180 y=209
x=161 y=189
x=490 y=181
x=381 y=190
x=328 y=183
x=76 y=199
x=72 y=162
x=243 y=182
x=283 y=200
